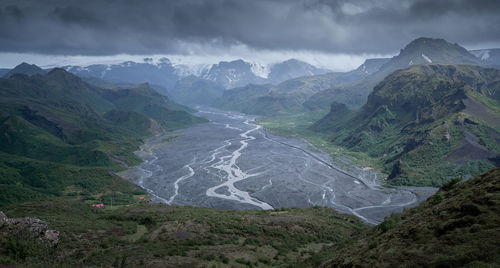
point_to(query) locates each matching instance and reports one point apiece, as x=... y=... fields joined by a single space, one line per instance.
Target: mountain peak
x=25 y=64
x=292 y=68
x=425 y=50
x=57 y=71
x=426 y=44
x=424 y=40
x=292 y=60
x=239 y=63
x=59 y=74
x=25 y=68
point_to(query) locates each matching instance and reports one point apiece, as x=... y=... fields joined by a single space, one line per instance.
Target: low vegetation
x=457 y=227
x=160 y=235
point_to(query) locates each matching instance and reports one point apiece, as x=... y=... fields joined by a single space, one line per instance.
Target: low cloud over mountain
x=202 y=26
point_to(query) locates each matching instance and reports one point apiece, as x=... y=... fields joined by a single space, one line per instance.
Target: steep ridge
x=425 y=122
x=25 y=68
x=420 y=51
x=456 y=227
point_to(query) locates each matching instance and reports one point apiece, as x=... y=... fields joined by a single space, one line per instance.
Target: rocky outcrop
x=32 y=228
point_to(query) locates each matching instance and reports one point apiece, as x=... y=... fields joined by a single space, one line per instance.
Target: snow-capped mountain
x=232 y=74
x=161 y=73
x=227 y=74
x=184 y=70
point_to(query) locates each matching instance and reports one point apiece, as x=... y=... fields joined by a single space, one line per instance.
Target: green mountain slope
x=420 y=51
x=192 y=90
x=458 y=226
x=241 y=99
x=54 y=125
x=426 y=122
x=146 y=101
x=171 y=105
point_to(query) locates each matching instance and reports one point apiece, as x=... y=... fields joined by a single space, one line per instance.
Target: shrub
x=390 y=222
x=450 y=184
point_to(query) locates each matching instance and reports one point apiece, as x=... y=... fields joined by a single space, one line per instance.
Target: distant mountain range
x=163 y=73
x=291 y=96
x=293 y=85
x=351 y=88
x=225 y=74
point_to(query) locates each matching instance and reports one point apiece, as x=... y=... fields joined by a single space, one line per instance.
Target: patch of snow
x=230 y=81
x=184 y=70
x=483 y=54
x=103 y=73
x=364 y=69
x=486 y=55
x=410 y=63
x=426 y=58
x=261 y=70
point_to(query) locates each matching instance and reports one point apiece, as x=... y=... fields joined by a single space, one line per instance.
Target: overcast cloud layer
x=96 y=27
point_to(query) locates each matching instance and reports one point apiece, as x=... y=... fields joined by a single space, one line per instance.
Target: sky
x=335 y=34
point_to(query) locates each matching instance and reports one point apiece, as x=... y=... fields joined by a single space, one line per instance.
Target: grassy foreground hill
x=164 y=236
x=62 y=136
x=457 y=227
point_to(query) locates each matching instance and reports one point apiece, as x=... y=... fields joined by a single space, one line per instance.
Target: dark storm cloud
x=147 y=27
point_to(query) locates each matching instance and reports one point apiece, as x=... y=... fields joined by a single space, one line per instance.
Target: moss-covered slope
x=458 y=226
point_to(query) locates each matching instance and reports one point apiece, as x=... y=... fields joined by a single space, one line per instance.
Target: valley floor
x=231 y=163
